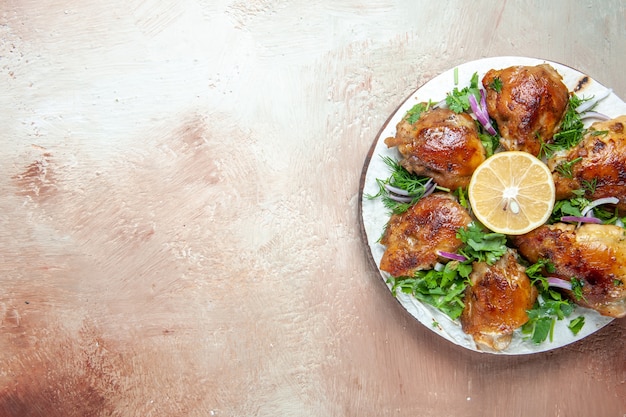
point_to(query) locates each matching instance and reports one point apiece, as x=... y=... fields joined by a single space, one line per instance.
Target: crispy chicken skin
x=603 y=161
x=529 y=107
x=442 y=145
x=496 y=301
x=593 y=253
x=413 y=238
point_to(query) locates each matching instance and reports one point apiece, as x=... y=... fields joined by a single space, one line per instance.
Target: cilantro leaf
x=535 y=273
x=480 y=245
x=575 y=325
x=571 y=207
x=415 y=112
x=458 y=100
x=577 y=287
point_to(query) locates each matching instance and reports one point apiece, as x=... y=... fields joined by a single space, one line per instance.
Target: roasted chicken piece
x=528 y=104
x=442 y=145
x=496 y=301
x=601 y=170
x=594 y=254
x=413 y=238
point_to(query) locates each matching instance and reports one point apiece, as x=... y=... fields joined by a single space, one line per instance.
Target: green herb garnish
x=549 y=307
x=590 y=185
x=481 y=246
x=458 y=100
x=442 y=289
x=445 y=288
x=577 y=288
x=565 y=168
x=414 y=187
x=535 y=273
x=599 y=132
x=575 y=325
x=490 y=143
x=571 y=207
x=416 y=111
x=461 y=195
x=571 y=131
x=496 y=84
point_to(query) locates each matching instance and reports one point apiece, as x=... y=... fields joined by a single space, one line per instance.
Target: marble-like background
x=179 y=227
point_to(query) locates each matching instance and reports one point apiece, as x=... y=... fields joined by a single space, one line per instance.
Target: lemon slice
x=512 y=193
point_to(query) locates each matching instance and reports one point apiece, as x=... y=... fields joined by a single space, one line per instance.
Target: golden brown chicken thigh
x=595 y=254
x=529 y=106
x=601 y=170
x=442 y=145
x=414 y=237
x=496 y=301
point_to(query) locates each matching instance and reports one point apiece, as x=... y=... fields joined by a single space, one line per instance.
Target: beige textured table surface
x=179 y=224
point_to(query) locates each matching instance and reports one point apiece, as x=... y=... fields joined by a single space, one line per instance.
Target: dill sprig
x=414 y=187
x=571 y=131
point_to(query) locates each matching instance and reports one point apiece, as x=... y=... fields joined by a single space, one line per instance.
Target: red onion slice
x=396 y=190
x=400 y=198
x=590 y=103
x=480 y=110
x=452 y=256
x=559 y=283
x=599 y=202
x=581 y=219
x=594 y=115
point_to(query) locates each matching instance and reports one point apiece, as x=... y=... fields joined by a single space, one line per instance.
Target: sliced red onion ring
x=481 y=112
x=489 y=128
x=483 y=103
x=594 y=115
x=559 y=283
x=400 y=198
x=590 y=103
x=403 y=196
x=480 y=115
x=599 y=202
x=581 y=219
x=429 y=187
x=397 y=190
x=441 y=104
x=452 y=256
x=473 y=104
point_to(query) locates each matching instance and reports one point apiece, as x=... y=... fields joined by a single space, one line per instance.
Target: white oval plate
x=375 y=215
